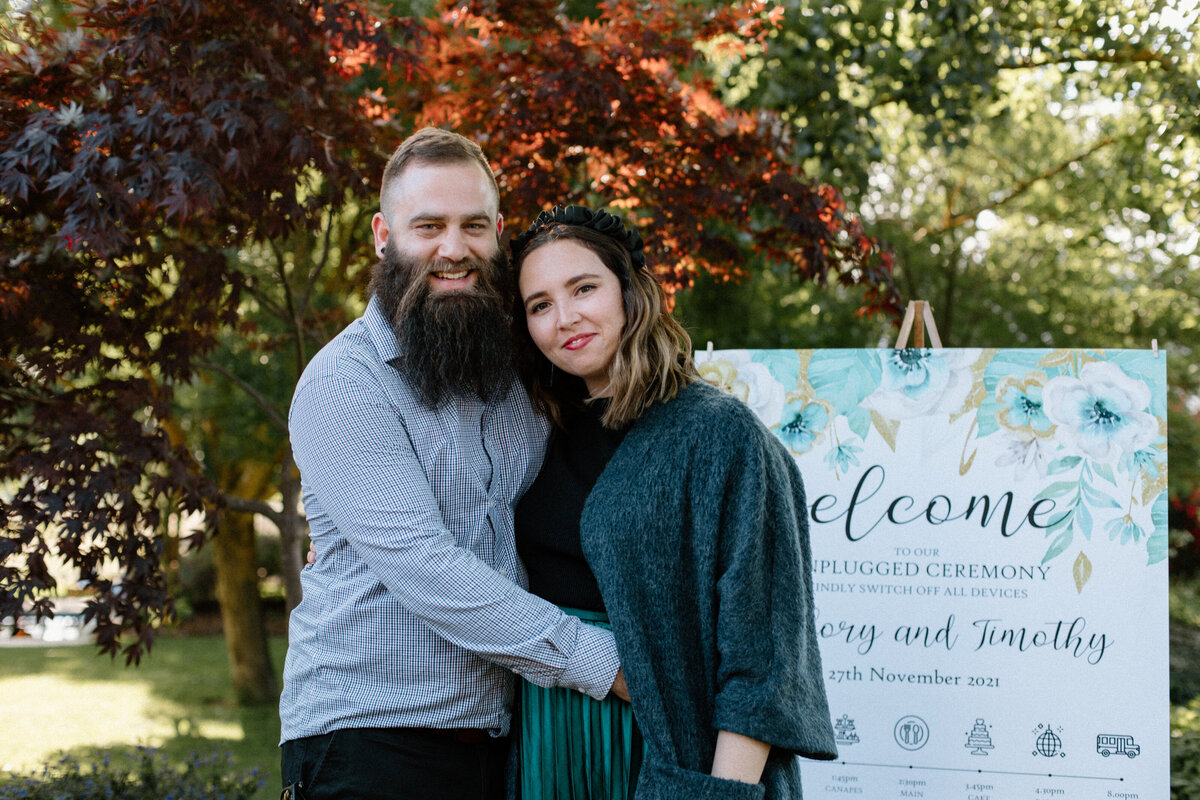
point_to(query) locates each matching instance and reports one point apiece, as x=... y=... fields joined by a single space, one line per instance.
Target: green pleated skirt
x=574 y=747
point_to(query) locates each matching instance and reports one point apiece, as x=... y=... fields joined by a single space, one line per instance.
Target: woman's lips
x=577 y=342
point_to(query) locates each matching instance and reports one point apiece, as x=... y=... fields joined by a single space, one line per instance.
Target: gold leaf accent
x=888 y=428
x=964 y=462
x=978 y=391
x=1151 y=489
x=1081 y=570
x=1056 y=358
x=805 y=356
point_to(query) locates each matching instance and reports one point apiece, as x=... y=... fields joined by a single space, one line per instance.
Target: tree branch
x=1122 y=57
x=326 y=246
x=235 y=503
x=955 y=220
x=270 y=305
x=255 y=395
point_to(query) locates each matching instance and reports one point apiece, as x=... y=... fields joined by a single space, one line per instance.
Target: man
x=414 y=442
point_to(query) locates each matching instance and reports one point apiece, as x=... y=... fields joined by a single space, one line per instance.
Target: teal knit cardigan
x=697 y=532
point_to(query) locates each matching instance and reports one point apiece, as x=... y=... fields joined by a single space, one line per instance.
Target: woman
x=668 y=505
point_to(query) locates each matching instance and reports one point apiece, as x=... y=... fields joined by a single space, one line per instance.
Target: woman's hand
x=739 y=758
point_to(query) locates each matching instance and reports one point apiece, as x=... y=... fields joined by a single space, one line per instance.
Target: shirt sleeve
x=770 y=681
x=358 y=460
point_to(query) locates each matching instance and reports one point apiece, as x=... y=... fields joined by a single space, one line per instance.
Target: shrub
x=1185 y=765
x=141 y=774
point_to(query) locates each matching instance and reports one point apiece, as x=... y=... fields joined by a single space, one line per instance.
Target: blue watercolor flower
x=1123 y=527
x=1145 y=461
x=844 y=456
x=801 y=424
x=1021 y=406
x=913 y=372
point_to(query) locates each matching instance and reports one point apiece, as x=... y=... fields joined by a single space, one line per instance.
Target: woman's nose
x=567 y=315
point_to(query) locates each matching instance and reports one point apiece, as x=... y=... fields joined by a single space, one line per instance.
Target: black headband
x=600 y=221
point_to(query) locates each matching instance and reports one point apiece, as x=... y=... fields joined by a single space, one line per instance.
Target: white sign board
x=989 y=533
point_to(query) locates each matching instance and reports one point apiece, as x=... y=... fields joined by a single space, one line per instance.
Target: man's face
x=444 y=216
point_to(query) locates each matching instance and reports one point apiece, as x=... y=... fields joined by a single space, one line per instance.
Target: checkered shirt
x=415 y=611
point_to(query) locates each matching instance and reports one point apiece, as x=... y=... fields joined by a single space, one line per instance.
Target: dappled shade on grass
x=180 y=701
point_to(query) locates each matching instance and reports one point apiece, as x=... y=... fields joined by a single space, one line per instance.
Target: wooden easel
x=918 y=318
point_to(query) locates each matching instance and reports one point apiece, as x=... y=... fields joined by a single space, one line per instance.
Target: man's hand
x=312 y=554
x=619 y=688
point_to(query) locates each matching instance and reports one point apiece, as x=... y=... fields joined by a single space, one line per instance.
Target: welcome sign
x=989 y=532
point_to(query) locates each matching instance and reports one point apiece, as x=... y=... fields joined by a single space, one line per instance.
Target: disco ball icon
x=1048 y=744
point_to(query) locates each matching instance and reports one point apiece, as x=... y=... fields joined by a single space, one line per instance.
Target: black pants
x=388 y=763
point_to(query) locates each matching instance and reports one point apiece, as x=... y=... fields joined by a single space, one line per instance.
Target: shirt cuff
x=593 y=665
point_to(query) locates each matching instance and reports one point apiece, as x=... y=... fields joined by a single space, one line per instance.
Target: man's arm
x=358 y=460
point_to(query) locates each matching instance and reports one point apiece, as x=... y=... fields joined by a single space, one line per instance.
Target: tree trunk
x=250 y=666
x=293 y=532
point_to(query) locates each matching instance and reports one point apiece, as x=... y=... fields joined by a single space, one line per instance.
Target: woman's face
x=574 y=310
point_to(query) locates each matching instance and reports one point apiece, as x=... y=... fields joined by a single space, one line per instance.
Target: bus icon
x=1108 y=744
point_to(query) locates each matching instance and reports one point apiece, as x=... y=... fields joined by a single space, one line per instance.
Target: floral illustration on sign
x=1086 y=425
x=918 y=383
x=802 y=423
x=738 y=374
x=1103 y=427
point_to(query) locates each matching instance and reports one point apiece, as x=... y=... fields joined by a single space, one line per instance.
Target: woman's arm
x=739 y=758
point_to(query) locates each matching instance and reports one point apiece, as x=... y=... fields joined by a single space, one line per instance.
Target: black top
x=547 y=518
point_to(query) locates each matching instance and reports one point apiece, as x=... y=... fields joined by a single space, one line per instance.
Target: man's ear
x=379 y=226
x=499 y=224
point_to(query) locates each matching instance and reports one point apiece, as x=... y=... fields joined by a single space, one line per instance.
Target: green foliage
x=141 y=774
x=1185 y=688
x=1185 y=765
x=772 y=308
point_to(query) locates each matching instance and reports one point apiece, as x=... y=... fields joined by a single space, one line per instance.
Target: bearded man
x=414 y=440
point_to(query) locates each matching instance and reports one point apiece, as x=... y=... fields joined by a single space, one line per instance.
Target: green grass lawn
x=179 y=700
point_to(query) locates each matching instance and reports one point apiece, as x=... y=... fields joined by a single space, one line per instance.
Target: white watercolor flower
x=750 y=382
x=917 y=383
x=1024 y=455
x=1102 y=413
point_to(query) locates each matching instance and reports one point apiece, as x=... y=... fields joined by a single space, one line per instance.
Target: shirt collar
x=383 y=336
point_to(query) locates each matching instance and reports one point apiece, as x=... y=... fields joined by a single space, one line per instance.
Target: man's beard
x=452 y=343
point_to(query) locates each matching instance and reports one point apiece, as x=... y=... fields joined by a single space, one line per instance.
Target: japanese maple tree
x=139 y=143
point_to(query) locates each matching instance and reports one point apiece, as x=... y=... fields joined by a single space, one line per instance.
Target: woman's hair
x=653 y=359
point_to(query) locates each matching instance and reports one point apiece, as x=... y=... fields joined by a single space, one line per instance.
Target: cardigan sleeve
x=770 y=684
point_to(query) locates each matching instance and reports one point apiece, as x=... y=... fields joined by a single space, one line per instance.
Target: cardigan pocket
x=661 y=781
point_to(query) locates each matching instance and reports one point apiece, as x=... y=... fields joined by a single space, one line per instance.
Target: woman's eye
x=587 y=287
x=536 y=307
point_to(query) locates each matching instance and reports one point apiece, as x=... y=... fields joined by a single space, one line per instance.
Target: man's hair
x=654 y=355
x=433 y=146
